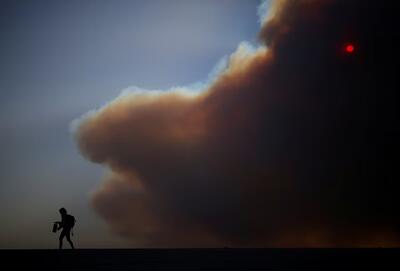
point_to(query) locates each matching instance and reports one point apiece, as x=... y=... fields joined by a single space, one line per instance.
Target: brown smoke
x=284 y=148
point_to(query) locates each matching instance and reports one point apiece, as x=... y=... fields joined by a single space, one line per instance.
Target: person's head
x=63 y=211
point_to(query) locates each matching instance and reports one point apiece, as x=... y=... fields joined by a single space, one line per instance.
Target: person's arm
x=61 y=224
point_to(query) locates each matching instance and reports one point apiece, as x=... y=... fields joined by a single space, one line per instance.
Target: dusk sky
x=199 y=123
x=60 y=59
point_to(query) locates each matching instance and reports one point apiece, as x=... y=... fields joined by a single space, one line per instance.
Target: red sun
x=349 y=48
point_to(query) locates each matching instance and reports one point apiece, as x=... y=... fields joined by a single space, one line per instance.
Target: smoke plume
x=292 y=144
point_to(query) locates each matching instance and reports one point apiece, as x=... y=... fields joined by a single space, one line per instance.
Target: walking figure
x=66 y=224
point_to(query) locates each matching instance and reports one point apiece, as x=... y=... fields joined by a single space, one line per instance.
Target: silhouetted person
x=66 y=224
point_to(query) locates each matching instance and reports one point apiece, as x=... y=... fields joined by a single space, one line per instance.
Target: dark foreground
x=202 y=259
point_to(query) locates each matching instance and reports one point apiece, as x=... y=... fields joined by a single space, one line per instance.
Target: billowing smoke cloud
x=292 y=144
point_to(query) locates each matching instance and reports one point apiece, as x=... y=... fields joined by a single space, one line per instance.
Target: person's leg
x=68 y=235
x=61 y=239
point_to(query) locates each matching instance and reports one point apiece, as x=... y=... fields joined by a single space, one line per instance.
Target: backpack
x=70 y=221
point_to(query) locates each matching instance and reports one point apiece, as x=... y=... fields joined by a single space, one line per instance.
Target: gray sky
x=60 y=59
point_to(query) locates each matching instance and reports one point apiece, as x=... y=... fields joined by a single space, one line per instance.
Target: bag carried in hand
x=55 y=227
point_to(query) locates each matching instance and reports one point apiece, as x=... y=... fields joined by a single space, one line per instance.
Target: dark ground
x=202 y=259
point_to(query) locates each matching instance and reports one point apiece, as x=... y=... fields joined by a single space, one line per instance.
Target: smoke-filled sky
x=60 y=59
x=239 y=124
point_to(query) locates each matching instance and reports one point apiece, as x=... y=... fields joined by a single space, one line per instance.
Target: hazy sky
x=290 y=143
x=60 y=59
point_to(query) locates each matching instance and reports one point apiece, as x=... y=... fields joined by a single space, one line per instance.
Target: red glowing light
x=349 y=48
